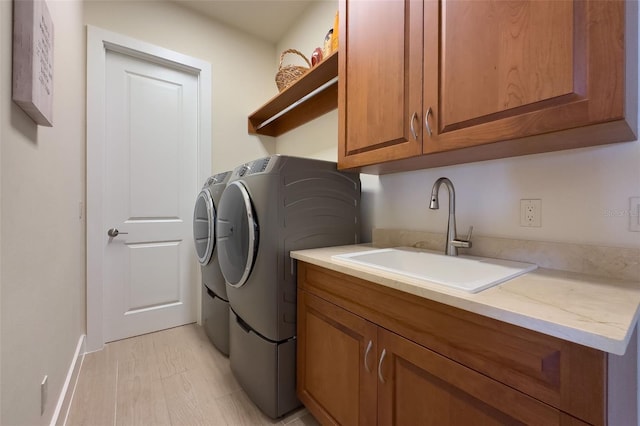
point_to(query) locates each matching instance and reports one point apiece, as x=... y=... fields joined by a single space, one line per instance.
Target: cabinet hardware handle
x=384 y=353
x=366 y=357
x=413 y=130
x=426 y=121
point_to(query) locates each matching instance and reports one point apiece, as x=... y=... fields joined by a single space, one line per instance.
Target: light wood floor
x=172 y=377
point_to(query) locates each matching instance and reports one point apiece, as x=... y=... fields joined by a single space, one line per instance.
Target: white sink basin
x=468 y=273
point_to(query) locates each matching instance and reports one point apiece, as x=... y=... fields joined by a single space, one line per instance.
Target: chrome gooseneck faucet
x=453 y=243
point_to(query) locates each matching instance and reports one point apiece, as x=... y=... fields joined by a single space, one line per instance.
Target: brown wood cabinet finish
x=343 y=360
x=285 y=103
x=501 y=56
x=333 y=348
x=468 y=363
x=499 y=79
x=510 y=69
x=424 y=388
x=380 y=84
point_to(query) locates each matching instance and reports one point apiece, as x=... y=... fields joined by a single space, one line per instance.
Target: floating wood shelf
x=313 y=95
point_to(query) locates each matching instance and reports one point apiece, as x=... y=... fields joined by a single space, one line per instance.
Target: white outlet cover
x=634 y=214
x=531 y=213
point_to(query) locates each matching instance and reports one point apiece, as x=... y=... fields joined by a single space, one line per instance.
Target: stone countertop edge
x=596 y=312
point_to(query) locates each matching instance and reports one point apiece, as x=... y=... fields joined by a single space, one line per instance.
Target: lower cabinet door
x=336 y=377
x=417 y=386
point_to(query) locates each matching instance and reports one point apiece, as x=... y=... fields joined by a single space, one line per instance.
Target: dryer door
x=237 y=234
x=204 y=217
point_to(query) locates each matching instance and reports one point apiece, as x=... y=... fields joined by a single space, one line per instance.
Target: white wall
x=585 y=196
x=318 y=138
x=42 y=179
x=42 y=239
x=241 y=66
x=585 y=193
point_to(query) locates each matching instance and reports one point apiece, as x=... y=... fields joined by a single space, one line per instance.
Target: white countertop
x=597 y=312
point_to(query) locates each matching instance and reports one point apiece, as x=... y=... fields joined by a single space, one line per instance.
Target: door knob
x=113 y=232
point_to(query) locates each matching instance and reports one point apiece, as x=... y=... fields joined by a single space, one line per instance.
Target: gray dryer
x=215 y=303
x=272 y=206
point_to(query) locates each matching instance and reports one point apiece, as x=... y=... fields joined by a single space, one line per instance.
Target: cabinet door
x=336 y=363
x=420 y=387
x=500 y=70
x=380 y=84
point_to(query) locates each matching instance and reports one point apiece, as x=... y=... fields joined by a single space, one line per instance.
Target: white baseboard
x=66 y=394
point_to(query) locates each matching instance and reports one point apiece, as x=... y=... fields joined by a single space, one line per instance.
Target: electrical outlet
x=44 y=393
x=531 y=213
x=634 y=214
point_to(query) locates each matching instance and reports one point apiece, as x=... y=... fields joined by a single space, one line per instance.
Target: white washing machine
x=215 y=303
x=272 y=206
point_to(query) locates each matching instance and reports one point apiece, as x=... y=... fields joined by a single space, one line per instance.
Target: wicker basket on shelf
x=288 y=74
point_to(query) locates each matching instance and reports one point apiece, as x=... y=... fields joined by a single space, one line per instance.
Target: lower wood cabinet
x=337 y=354
x=353 y=371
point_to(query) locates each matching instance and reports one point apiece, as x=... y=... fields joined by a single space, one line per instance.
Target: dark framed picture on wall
x=33 y=60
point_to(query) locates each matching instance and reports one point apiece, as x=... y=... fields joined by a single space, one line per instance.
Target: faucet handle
x=463 y=243
x=469 y=234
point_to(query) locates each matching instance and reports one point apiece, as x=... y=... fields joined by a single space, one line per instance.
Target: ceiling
x=266 y=19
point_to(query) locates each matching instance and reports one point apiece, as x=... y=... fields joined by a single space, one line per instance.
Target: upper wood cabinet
x=380 y=84
x=498 y=79
x=508 y=69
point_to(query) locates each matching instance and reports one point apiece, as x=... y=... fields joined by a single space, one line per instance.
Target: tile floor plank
x=173 y=377
x=237 y=409
x=174 y=352
x=183 y=402
x=141 y=402
x=94 y=400
x=305 y=420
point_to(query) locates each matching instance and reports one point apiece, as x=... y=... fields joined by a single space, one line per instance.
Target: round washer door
x=237 y=234
x=204 y=219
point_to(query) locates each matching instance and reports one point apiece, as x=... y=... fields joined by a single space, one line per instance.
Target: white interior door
x=150 y=184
